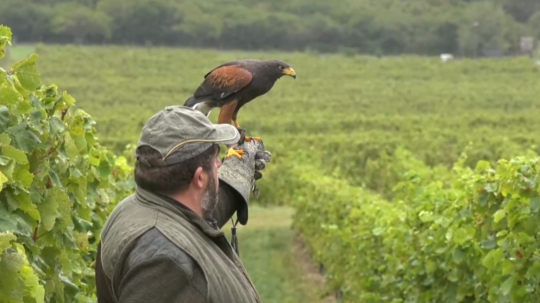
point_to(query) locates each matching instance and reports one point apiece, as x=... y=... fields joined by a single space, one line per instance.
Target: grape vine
x=460 y=235
x=57 y=186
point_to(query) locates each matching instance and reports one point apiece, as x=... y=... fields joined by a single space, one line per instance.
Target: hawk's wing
x=223 y=81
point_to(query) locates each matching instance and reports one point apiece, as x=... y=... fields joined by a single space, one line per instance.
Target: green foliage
x=5 y=39
x=486 y=26
x=57 y=186
x=384 y=27
x=80 y=22
x=534 y=23
x=464 y=235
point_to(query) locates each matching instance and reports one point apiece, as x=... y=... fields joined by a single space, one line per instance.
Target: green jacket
x=154 y=249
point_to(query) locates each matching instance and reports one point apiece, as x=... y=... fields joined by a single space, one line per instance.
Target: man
x=164 y=243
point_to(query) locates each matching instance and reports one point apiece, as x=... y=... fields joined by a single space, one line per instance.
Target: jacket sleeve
x=160 y=280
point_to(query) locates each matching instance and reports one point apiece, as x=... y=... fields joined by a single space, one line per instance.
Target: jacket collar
x=168 y=204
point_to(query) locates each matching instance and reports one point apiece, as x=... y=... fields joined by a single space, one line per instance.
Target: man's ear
x=199 y=178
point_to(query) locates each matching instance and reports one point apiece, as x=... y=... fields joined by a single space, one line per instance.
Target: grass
x=275 y=259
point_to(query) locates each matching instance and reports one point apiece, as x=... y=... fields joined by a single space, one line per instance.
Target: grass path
x=275 y=258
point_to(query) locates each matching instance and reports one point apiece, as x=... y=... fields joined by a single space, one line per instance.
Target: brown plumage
x=233 y=84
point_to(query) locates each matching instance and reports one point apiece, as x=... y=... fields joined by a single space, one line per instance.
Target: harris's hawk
x=231 y=85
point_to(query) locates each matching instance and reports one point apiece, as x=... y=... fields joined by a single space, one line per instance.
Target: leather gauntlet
x=241 y=173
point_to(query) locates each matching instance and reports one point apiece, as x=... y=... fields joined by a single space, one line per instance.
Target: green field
x=343 y=113
x=394 y=166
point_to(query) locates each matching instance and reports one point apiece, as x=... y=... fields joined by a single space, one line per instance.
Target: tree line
x=383 y=27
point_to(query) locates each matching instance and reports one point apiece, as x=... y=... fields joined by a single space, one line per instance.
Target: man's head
x=178 y=154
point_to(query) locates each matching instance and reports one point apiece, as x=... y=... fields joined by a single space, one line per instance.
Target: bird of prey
x=231 y=85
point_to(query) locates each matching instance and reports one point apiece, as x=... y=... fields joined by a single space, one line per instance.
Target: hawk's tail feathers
x=191 y=101
x=199 y=104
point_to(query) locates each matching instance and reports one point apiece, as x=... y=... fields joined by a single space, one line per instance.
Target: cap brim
x=226 y=134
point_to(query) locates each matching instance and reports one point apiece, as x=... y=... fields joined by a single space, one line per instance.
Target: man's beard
x=209 y=199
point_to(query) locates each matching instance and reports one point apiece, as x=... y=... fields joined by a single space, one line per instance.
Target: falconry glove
x=241 y=168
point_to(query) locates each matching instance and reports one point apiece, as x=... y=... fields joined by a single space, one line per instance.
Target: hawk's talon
x=242 y=136
x=233 y=152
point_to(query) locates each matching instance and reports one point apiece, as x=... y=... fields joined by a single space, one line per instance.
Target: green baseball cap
x=180 y=133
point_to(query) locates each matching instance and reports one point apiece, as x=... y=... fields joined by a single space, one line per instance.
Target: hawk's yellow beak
x=289 y=71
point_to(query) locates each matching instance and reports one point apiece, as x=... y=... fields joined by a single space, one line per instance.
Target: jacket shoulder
x=153 y=245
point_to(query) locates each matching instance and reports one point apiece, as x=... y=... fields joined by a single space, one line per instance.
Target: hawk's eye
x=281 y=67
